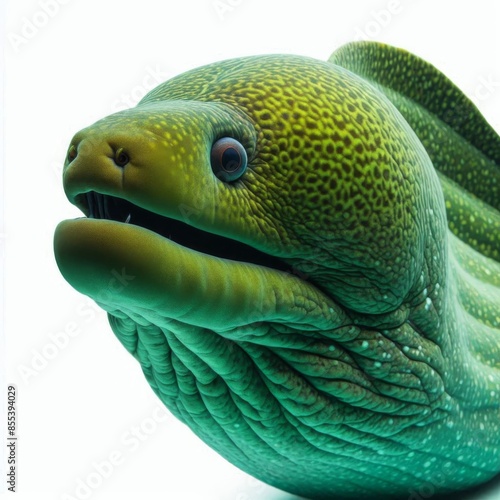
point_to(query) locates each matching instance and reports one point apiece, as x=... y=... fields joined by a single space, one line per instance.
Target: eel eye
x=229 y=159
x=121 y=158
x=72 y=153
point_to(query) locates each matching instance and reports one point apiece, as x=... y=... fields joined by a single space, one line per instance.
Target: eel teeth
x=100 y=205
x=90 y=203
x=106 y=207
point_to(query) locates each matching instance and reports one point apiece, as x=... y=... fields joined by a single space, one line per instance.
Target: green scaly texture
x=371 y=369
x=461 y=144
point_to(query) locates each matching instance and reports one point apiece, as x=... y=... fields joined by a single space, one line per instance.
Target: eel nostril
x=121 y=157
x=72 y=153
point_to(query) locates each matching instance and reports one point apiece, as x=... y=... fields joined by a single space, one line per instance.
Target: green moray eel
x=304 y=257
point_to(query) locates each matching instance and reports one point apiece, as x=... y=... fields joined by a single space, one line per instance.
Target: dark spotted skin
x=338 y=159
x=436 y=109
x=372 y=368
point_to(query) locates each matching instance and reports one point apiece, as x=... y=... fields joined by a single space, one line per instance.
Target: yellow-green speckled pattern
x=341 y=165
x=461 y=144
x=372 y=369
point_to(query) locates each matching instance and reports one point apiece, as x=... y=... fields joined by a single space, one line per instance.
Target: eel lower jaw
x=128 y=268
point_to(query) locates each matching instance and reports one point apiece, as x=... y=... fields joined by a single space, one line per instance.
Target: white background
x=78 y=404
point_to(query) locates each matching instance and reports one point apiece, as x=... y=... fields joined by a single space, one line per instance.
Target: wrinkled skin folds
x=321 y=303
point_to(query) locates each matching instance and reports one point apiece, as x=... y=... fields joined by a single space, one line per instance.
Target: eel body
x=304 y=257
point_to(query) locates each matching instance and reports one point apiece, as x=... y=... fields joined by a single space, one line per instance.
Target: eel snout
x=119 y=155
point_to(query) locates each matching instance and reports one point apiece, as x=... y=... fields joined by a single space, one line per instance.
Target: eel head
x=265 y=234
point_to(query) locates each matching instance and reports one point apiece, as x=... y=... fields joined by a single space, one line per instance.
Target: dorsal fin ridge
x=420 y=81
x=462 y=145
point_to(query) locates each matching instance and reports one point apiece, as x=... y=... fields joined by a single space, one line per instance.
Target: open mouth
x=100 y=206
